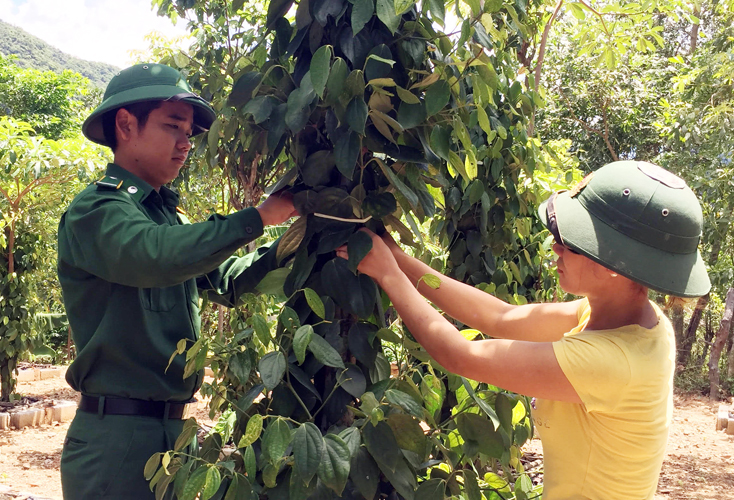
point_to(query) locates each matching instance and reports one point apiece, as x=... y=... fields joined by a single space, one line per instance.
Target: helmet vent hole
x=666 y=212
x=626 y=192
x=145 y=67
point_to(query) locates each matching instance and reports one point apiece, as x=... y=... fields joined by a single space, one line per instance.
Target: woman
x=601 y=367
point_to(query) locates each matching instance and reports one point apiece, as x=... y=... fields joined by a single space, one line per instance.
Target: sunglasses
x=552 y=225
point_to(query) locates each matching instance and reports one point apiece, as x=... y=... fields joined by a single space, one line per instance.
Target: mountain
x=34 y=53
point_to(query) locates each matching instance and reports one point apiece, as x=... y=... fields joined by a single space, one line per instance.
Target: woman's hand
x=379 y=262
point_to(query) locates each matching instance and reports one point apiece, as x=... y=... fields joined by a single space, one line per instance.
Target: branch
x=603 y=134
x=543 y=41
x=601 y=18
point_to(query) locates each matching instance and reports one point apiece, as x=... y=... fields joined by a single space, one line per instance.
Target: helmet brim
x=682 y=275
x=92 y=128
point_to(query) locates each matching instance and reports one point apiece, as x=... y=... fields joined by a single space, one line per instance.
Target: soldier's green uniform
x=131 y=268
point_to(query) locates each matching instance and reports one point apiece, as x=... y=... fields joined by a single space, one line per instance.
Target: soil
x=699 y=461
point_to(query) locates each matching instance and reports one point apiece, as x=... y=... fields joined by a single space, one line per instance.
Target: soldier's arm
x=110 y=237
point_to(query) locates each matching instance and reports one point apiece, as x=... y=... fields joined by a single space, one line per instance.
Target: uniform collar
x=167 y=195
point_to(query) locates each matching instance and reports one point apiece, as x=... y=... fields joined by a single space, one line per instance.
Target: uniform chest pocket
x=158 y=299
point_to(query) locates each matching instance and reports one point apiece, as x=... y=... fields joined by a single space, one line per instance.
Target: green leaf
x=308 y=448
x=272 y=369
x=323 y=351
x=433 y=489
x=337 y=79
x=483 y=120
x=289 y=319
x=315 y=302
x=346 y=153
x=317 y=169
x=471 y=485
x=441 y=142
x=482 y=403
x=276 y=439
x=437 y=97
x=411 y=115
x=400 y=185
x=272 y=283
x=252 y=431
x=362 y=11
x=299 y=105
x=213 y=481
x=242 y=89
x=386 y=13
x=354 y=85
x=276 y=10
x=240 y=365
x=359 y=245
x=381 y=443
x=407 y=96
x=152 y=465
x=402 y=6
x=187 y=434
x=352 y=380
x=261 y=107
x=402 y=478
x=364 y=473
x=408 y=433
x=479 y=429
x=195 y=484
x=405 y=402
x=353 y=438
x=438 y=10
x=388 y=336
x=431 y=280
x=333 y=469
x=320 y=65
x=356 y=114
x=250 y=463
x=379 y=205
x=301 y=340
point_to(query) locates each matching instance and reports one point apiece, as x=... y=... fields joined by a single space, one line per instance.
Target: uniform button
x=132 y=190
x=248 y=230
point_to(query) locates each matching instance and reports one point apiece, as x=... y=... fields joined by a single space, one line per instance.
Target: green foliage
x=342 y=106
x=34 y=53
x=37 y=178
x=53 y=104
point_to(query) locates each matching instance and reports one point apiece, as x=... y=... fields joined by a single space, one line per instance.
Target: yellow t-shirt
x=611 y=446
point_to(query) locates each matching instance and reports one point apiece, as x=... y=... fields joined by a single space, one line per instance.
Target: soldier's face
x=161 y=146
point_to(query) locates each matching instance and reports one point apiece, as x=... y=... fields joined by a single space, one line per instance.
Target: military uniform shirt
x=130 y=269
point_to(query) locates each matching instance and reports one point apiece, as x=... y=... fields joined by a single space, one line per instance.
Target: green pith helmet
x=638 y=220
x=147 y=82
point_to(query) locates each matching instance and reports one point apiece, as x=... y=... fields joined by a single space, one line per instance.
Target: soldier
x=130 y=268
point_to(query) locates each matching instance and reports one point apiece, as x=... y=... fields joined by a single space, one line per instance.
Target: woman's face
x=578 y=274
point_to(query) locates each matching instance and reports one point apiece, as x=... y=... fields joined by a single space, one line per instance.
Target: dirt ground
x=699 y=460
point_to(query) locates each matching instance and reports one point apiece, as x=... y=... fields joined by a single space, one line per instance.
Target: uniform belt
x=136 y=407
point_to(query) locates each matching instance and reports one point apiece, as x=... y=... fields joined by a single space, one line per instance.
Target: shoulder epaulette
x=108 y=182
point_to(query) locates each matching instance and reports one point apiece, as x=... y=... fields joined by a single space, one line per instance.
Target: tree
x=53 y=104
x=35 y=177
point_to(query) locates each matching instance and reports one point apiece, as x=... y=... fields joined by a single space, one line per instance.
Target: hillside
x=32 y=52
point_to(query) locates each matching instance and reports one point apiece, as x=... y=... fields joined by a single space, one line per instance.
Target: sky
x=95 y=30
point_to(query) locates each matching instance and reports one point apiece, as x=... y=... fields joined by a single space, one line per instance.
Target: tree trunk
x=689 y=338
x=676 y=318
x=694 y=31
x=708 y=334
x=7 y=380
x=718 y=345
x=730 y=359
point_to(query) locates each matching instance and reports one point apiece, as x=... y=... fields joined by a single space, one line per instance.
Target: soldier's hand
x=277 y=209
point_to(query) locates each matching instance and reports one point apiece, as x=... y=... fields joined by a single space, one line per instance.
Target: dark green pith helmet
x=638 y=220
x=147 y=82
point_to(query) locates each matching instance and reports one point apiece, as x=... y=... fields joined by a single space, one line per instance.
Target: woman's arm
x=484 y=312
x=528 y=368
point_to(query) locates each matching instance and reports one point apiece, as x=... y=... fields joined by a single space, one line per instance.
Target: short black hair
x=140 y=110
